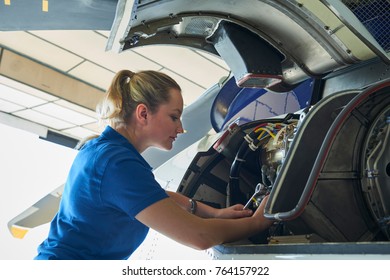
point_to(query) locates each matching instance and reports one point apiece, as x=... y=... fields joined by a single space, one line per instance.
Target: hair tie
x=128 y=77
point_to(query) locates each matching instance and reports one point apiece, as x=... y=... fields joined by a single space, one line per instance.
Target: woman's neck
x=130 y=134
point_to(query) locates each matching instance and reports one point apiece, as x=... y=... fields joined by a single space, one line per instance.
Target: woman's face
x=165 y=124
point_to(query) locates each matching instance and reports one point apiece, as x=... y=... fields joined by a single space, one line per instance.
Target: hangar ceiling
x=51 y=80
x=54 y=66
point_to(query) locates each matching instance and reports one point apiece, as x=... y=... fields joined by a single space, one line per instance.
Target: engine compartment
x=325 y=169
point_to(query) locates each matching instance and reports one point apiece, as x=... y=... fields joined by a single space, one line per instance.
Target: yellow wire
x=261 y=135
x=265 y=130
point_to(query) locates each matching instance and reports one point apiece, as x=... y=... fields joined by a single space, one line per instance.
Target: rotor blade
x=38 y=214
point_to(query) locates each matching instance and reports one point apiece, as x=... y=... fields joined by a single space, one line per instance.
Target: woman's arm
x=205 y=211
x=168 y=218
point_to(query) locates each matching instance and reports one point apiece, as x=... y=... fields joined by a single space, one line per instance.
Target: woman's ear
x=141 y=112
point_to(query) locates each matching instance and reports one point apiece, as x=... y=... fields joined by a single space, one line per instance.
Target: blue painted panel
x=247 y=104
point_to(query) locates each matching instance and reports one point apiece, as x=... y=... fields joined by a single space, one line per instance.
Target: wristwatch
x=193 y=206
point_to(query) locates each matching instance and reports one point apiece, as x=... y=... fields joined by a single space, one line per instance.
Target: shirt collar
x=113 y=135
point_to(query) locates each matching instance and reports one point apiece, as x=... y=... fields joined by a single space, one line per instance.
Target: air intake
x=253 y=61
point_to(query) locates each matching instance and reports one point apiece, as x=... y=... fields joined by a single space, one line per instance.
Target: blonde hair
x=129 y=89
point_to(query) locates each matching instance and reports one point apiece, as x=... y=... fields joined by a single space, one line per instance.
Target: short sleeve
x=128 y=185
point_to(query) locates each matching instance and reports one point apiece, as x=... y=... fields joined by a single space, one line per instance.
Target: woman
x=111 y=198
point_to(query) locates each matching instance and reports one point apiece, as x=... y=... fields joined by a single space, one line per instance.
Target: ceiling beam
x=49 y=80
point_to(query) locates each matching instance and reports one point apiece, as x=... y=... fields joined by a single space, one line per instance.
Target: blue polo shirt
x=108 y=184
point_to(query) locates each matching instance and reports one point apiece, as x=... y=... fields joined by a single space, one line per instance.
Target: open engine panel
x=325 y=169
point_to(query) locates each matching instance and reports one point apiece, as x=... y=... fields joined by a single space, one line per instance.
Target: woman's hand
x=233 y=212
x=262 y=222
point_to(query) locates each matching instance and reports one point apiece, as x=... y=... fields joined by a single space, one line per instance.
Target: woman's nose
x=180 y=129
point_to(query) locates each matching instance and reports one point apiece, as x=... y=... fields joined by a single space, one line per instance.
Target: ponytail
x=129 y=89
